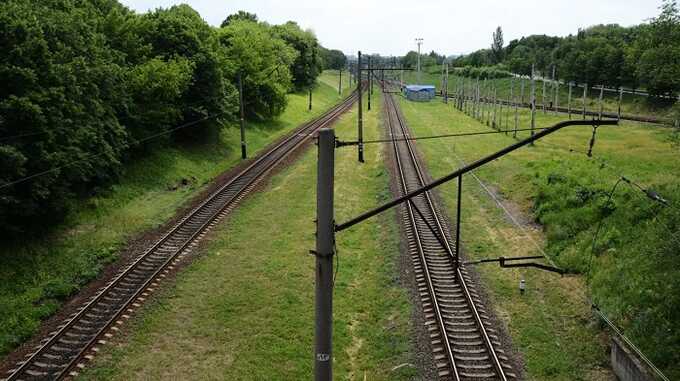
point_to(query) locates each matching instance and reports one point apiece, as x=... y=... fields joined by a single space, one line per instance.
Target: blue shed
x=419 y=93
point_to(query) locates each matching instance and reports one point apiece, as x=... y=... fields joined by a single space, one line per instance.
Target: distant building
x=419 y=93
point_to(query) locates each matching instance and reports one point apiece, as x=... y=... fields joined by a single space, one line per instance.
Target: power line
x=92 y=156
x=594 y=306
x=118 y=118
x=462 y=134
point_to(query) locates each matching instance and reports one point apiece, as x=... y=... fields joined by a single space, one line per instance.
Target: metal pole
x=585 y=94
x=557 y=97
x=360 y=132
x=601 y=96
x=446 y=85
x=569 y=100
x=310 y=99
x=244 y=153
x=494 y=103
x=618 y=114
x=552 y=79
x=419 y=41
x=458 y=212
x=325 y=242
x=543 y=94
x=370 y=83
x=533 y=102
x=514 y=133
x=340 y=83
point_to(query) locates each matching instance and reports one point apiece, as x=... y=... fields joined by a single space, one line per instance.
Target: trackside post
x=325 y=243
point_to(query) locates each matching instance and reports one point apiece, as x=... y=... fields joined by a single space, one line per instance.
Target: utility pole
x=370 y=83
x=543 y=93
x=446 y=83
x=360 y=134
x=569 y=100
x=554 y=103
x=419 y=41
x=601 y=96
x=585 y=94
x=244 y=154
x=618 y=114
x=325 y=242
x=533 y=102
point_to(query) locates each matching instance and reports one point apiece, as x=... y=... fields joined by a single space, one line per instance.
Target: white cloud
x=389 y=27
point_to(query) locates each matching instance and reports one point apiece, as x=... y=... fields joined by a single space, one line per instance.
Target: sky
x=389 y=27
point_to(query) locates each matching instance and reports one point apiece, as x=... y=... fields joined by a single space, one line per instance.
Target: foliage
x=333 y=59
x=497 y=45
x=241 y=15
x=63 y=86
x=634 y=254
x=308 y=63
x=88 y=83
x=639 y=56
x=488 y=72
x=657 y=50
x=262 y=61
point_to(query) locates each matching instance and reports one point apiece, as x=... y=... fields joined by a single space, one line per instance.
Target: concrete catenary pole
x=360 y=132
x=543 y=93
x=446 y=83
x=618 y=114
x=533 y=102
x=325 y=242
x=585 y=95
x=370 y=83
x=571 y=85
x=419 y=41
x=601 y=98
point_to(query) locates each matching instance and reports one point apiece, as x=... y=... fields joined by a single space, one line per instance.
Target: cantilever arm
x=471 y=167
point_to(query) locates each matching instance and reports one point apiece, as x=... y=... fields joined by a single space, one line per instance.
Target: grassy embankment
x=634 y=267
x=36 y=276
x=631 y=104
x=254 y=319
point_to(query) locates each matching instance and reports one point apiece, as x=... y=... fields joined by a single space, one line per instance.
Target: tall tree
x=308 y=64
x=240 y=15
x=657 y=51
x=497 y=45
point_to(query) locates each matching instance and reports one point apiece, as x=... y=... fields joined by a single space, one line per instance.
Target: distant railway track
x=66 y=350
x=465 y=345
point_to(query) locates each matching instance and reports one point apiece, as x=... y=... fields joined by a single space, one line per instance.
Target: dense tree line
x=87 y=83
x=644 y=56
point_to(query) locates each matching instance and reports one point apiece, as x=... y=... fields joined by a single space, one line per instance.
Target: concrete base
x=626 y=364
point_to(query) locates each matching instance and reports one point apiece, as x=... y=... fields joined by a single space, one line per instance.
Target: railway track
x=66 y=350
x=465 y=345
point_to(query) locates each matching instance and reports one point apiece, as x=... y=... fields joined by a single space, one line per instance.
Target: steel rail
x=265 y=161
x=421 y=252
x=476 y=315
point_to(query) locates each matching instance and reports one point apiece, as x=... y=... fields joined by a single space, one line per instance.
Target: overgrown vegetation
x=89 y=85
x=37 y=275
x=373 y=331
x=635 y=262
x=639 y=56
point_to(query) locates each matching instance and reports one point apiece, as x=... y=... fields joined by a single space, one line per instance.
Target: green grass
x=36 y=276
x=331 y=78
x=631 y=104
x=634 y=268
x=254 y=317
